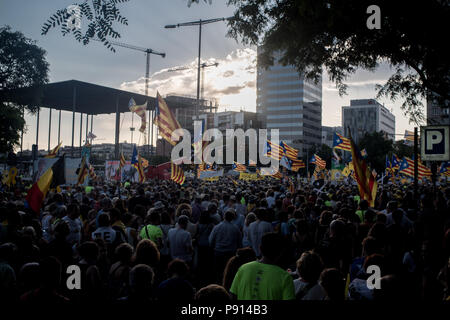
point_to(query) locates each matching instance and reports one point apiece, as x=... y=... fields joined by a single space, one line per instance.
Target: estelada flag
x=367 y=183
x=165 y=120
x=341 y=142
x=53 y=177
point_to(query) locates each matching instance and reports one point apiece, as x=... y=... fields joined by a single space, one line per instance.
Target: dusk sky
x=233 y=82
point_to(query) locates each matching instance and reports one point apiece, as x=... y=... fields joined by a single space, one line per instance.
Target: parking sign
x=435 y=144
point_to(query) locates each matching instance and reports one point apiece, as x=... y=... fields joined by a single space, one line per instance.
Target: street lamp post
x=198 y=23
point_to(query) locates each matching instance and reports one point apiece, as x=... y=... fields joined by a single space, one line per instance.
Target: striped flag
x=165 y=120
x=407 y=168
x=92 y=174
x=177 y=174
x=122 y=161
x=82 y=171
x=445 y=168
x=239 y=167
x=293 y=165
x=53 y=177
x=340 y=142
x=140 y=111
x=273 y=150
x=54 y=151
x=318 y=161
x=140 y=169
x=290 y=152
x=367 y=183
x=291 y=186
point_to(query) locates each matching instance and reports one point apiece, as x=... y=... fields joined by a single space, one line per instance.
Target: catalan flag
x=445 y=168
x=389 y=170
x=53 y=177
x=54 y=151
x=290 y=152
x=340 y=142
x=367 y=183
x=122 y=161
x=82 y=171
x=395 y=162
x=407 y=168
x=165 y=120
x=293 y=165
x=177 y=174
x=140 y=170
x=273 y=150
x=134 y=157
x=140 y=111
x=318 y=161
x=239 y=167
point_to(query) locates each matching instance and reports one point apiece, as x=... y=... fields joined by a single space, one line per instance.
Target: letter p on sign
x=435 y=143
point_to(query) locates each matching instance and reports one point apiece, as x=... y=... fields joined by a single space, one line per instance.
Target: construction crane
x=148 y=52
x=202 y=66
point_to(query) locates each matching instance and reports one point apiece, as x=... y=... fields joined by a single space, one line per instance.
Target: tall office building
x=367 y=116
x=289 y=102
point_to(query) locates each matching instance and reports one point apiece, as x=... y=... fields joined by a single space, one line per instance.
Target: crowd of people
x=225 y=240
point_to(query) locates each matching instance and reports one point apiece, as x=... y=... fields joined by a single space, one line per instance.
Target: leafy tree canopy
x=22 y=64
x=333 y=34
x=377 y=147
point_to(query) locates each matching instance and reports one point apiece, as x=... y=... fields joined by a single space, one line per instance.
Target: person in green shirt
x=263 y=279
x=152 y=231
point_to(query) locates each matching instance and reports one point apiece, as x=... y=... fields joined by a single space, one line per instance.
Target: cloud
x=229 y=82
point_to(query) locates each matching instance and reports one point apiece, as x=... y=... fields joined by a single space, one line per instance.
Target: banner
x=161 y=172
x=211 y=174
x=128 y=172
x=71 y=165
x=249 y=176
x=336 y=175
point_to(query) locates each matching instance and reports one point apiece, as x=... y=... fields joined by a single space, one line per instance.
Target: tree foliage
x=101 y=14
x=377 y=147
x=22 y=64
x=332 y=34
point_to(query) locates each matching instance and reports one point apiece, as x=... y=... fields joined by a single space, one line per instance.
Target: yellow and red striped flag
x=367 y=184
x=140 y=111
x=140 y=169
x=122 y=161
x=165 y=120
x=239 y=167
x=177 y=174
x=340 y=142
x=54 y=151
x=82 y=171
x=289 y=151
x=318 y=161
x=407 y=168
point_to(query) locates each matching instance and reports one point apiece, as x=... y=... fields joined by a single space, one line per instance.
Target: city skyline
x=234 y=79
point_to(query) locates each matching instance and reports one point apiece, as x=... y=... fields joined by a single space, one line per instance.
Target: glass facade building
x=289 y=102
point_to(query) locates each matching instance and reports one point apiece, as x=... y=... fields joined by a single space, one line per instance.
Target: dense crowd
x=217 y=241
